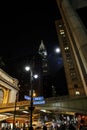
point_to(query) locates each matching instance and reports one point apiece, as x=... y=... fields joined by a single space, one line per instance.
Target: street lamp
x=16 y=99
x=31 y=108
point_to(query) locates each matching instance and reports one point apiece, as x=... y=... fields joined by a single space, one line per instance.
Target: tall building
x=43 y=53
x=72 y=36
x=45 y=81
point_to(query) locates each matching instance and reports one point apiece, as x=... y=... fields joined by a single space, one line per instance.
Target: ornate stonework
x=8 y=87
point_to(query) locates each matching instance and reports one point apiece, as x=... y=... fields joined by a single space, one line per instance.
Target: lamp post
x=15 y=110
x=31 y=108
x=31 y=103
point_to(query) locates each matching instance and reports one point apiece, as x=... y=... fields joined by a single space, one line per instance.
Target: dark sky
x=22 y=29
x=24 y=26
x=27 y=25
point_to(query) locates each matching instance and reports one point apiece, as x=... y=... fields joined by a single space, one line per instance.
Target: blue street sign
x=34 y=98
x=27 y=97
x=38 y=98
x=39 y=102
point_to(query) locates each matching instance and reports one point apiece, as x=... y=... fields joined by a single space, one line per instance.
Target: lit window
x=45 y=53
x=66 y=48
x=61 y=32
x=77 y=93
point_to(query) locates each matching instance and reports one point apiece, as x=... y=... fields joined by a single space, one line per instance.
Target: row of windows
x=68 y=53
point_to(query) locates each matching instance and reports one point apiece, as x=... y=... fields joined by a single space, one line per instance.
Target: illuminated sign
x=39 y=102
x=34 y=98
x=27 y=97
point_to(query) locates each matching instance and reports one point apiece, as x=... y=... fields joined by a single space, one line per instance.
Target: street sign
x=38 y=98
x=39 y=102
x=34 y=98
x=27 y=97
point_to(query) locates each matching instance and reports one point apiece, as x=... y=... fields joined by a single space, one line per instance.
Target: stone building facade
x=8 y=88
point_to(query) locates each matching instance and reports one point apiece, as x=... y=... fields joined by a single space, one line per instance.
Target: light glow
x=35 y=76
x=27 y=68
x=57 y=50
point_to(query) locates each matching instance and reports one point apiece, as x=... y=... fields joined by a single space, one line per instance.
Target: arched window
x=1 y=95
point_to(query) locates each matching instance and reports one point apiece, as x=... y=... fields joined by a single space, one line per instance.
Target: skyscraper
x=45 y=81
x=43 y=53
x=72 y=36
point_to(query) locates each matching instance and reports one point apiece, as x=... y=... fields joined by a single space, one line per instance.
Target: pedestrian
x=56 y=127
x=44 y=127
x=51 y=128
x=62 y=127
x=71 y=127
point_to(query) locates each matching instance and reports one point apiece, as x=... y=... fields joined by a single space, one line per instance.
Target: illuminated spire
x=42 y=49
x=43 y=54
x=42 y=46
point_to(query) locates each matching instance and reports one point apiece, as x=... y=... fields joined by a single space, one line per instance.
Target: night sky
x=22 y=29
